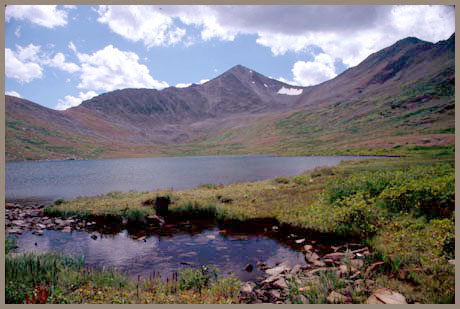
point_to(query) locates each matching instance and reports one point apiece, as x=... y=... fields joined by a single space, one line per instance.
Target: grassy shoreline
x=401 y=208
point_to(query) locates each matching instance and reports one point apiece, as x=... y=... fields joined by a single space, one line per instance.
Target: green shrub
x=196 y=279
x=433 y=197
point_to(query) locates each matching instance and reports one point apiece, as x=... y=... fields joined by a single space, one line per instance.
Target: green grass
x=53 y=278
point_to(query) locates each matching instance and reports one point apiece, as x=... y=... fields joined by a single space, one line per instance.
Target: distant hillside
x=398 y=98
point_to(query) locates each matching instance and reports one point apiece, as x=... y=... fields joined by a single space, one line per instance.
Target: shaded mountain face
x=407 y=87
x=237 y=91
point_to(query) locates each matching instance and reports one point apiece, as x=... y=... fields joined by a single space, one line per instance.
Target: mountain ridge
x=242 y=111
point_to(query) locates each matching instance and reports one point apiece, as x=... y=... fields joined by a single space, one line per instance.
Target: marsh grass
x=64 y=279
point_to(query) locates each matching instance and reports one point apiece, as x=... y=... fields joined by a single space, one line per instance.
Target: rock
x=248 y=268
x=42 y=226
x=153 y=219
x=304 y=289
x=38 y=232
x=308 y=248
x=277 y=270
x=371 y=268
x=335 y=256
x=386 y=296
x=15 y=230
x=303 y=299
x=275 y=228
x=299 y=241
x=247 y=287
x=356 y=274
x=271 y=279
x=280 y=283
x=162 y=204
x=67 y=229
x=337 y=298
x=19 y=222
x=211 y=237
x=343 y=269
x=314 y=271
x=360 y=250
x=452 y=262
x=9 y=205
x=141 y=238
x=275 y=294
x=296 y=269
x=336 y=248
x=356 y=264
x=94 y=237
x=311 y=256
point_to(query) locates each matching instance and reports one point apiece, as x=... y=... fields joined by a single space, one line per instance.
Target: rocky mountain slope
x=401 y=96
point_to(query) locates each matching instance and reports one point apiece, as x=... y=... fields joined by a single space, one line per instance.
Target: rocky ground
x=287 y=285
x=29 y=216
x=281 y=284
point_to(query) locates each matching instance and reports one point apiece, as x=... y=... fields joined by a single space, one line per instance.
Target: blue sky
x=58 y=56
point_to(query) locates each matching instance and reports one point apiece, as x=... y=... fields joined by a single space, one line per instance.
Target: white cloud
x=110 y=68
x=17 y=32
x=349 y=33
x=48 y=16
x=13 y=93
x=290 y=91
x=22 y=65
x=144 y=23
x=71 y=101
x=72 y=47
x=307 y=73
x=59 y=62
x=203 y=81
x=183 y=85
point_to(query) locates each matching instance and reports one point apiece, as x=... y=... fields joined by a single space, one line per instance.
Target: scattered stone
x=274 y=228
x=360 y=250
x=304 y=289
x=211 y=237
x=356 y=274
x=371 y=268
x=452 y=262
x=280 y=283
x=386 y=296
x=308 y=247
x=343 y=269
x=337 y=298
x=277 y=270
x=275 y=294
x=356 y=264
x=317 y=270
x=38 y=232
x=249 y=268
x=248 y=287
x=299 y=241
x=296 y=269
x=141 y=238
x=335 y=256
x=336 y=248
x=67 y=229
x=94 y=237
x=303 y=299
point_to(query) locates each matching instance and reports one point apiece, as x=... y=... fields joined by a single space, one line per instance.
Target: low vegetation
x=54 y=278
x=403 y=208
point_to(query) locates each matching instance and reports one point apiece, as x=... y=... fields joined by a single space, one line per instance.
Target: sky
x=61 y=55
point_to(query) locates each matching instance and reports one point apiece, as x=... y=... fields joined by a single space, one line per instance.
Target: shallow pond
x=179 y=245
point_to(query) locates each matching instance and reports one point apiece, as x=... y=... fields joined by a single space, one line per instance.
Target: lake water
x=49 y=180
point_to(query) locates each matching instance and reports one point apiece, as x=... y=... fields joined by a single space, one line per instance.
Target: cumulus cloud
x=17 y=32
x=349 y=32
x=22 y=65
x=13 y=93
x=145 y=23
x=71 y=101
x=48 y=16
x=110 y=69
x=72 y=47
x=59 y=62
x=308 y=73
